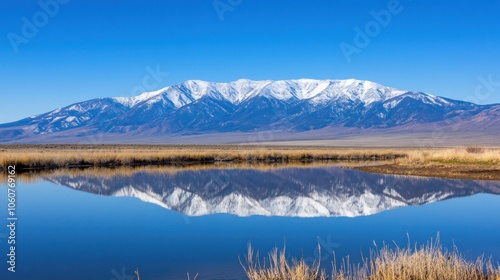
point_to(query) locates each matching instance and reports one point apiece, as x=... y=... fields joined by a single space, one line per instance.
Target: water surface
x=200 y=221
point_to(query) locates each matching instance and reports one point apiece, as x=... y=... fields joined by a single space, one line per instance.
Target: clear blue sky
x=89 y=48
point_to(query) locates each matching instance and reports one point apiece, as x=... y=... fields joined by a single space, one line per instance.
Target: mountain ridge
x=243 y=89
x=200 y=107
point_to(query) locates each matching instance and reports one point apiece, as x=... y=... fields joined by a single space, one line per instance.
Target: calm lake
x=168 y=223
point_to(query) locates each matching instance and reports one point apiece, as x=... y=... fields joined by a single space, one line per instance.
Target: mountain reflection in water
x=294 y=192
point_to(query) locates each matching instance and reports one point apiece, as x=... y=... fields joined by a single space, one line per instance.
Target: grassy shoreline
x=458 y=162
x=67 y=156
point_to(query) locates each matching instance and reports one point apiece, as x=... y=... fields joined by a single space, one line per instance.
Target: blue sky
x=77 y=50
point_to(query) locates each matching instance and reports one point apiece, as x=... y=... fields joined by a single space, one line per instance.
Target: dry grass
x=111 y=156
x=487 y=156
x=429 y=262
x=277 y=267
x=476 y=162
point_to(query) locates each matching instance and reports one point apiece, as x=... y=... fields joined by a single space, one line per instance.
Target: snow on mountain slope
x=198 y=107
x=241 y=90
x=313 y=205
x=355 y=90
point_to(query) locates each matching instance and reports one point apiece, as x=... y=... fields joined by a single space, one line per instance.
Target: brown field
x=429 y=262
x=459 y=162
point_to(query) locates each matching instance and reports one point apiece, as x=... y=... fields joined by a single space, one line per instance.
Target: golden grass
x=68 y=156
x=429 y=262
x=459 y=155
x=277 y=267
x=47 y=157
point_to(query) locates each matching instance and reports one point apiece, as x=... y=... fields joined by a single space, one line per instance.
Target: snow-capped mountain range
x=237 y=92
x=199 y=107
x=293 y=192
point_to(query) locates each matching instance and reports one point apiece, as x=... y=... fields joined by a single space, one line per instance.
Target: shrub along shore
x=459 y=162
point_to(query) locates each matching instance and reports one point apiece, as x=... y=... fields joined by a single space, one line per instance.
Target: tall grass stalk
x=427 y=262
x=277 y=267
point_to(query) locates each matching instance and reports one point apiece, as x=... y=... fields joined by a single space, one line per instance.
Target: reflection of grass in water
x=34 y=176
x=429 y=262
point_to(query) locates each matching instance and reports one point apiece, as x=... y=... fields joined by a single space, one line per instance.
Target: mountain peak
x=244 y=105
x=242 y=89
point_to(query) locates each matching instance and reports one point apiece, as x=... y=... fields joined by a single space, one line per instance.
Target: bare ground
x=453 y=171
